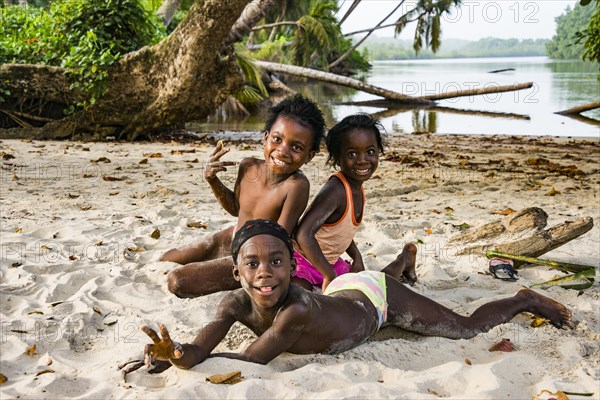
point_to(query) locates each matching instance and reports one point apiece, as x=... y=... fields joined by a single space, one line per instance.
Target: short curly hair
x=303 y=111
x=355 y=121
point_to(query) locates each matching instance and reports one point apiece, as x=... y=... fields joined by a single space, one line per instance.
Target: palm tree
x=167 y=10
x=350 y=10
x=427 y=14
x=351 y=49
x=317 y=35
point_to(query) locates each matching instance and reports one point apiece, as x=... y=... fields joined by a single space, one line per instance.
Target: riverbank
x=82 y=224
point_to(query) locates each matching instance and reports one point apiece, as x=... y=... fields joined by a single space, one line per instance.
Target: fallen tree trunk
x=579 y=109
x=340 y=80
x=393 y=109
x=584 y=119
x=475 y=92
x=538 y=243
x=184 y=77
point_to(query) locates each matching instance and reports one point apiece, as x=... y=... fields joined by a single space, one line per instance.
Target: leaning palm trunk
x=253 y=12
x=340 y=80
x=184 y=77
x=167 y=11
x=355 y=46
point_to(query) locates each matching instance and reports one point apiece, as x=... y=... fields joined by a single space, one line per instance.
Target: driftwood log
x=580 y=109
x=520 y=233
x=527 y=220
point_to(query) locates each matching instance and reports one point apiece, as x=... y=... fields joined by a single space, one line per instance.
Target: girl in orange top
x=327 y=229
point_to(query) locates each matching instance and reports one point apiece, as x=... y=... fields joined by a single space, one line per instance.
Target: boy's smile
x=264 y=269
x=287 y=146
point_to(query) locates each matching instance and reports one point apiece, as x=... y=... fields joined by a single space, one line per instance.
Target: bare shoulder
x=299 y=180
x=249 y=162
x=333 y=187
x=235 y=304
x=298 y=307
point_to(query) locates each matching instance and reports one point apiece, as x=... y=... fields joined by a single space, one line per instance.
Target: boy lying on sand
x=354 y=306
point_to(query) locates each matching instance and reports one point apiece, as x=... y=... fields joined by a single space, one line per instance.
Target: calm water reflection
x=558 y=85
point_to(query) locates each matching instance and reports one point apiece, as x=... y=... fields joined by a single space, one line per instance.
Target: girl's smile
x=359 y=155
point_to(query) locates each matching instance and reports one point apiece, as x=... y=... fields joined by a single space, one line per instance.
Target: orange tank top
x=335 y=238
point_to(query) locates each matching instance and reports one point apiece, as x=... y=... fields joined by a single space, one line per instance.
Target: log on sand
x=529 y=219
x=538 y=243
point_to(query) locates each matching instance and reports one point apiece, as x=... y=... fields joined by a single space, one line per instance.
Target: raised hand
x=213 y=166
x=163 y=349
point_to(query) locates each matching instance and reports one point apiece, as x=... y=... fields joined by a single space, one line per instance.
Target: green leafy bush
x=564 y=43
x=84 y=36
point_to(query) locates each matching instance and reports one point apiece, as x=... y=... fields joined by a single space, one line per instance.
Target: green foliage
x=24 y=33
x=564 y=44
x=318 y=34
x=84 y=36
x=427 y=14
x=591 y=37
x=151 y=5
x=356 y=61
x=254 y=89
x=275 y=51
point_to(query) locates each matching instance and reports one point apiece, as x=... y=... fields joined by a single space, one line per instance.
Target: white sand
x=73 y=284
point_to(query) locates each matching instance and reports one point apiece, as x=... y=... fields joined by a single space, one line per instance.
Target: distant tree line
x=391 y=49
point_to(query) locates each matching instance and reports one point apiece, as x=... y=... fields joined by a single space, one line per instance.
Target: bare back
x=327 y=324
x=262 y=195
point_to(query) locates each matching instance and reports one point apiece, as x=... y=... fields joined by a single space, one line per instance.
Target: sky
x=520 y=19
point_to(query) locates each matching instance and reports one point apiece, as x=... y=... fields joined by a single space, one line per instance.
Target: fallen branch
x=501 y=70
x=393 y=108
x=585 y=279
x=579 y=109
x=340 y=80
x=584 y=119
x=569 y=267
x=474 y=92
x=389 y=103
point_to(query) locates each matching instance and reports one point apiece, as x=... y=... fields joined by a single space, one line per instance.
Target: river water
x=558 y=85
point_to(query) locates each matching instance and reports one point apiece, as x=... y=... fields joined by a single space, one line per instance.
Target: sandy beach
x=82 y=225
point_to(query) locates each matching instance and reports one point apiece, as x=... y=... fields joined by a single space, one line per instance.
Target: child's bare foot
x=558 y=314
x=403 y=267
x=409 y=254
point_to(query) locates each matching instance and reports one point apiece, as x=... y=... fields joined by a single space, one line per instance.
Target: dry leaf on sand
x=503 y=345
x=226 y=379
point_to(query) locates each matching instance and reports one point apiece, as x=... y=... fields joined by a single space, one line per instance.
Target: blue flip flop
x=502 y=269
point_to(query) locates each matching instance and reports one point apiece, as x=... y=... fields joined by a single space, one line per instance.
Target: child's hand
x=163 y=349
x=214 y=165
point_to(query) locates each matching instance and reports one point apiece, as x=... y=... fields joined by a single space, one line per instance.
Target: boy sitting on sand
x=286 y=317
x=273 y=188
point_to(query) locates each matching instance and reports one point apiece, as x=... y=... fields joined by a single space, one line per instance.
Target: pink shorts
x=306 y=271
